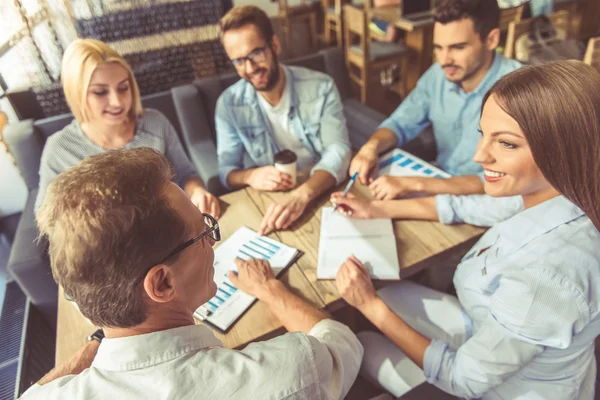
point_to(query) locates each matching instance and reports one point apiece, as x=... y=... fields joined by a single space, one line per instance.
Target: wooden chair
x=508 y=15
x=333 y=22
x=592 y=53
x=559 y=19
x=304 y=12
x=369 y=57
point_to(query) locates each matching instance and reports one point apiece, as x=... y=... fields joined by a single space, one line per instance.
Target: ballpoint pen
x=347 y=188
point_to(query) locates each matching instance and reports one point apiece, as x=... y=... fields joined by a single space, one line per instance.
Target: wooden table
x=418 y=39
x=420 y=245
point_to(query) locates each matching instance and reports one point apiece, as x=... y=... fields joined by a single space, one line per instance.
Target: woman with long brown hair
x=527 y=309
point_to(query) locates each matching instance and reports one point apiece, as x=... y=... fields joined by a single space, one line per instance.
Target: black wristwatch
x=98 y=335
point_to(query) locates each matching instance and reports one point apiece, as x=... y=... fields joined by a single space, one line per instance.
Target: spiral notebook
x=229 y=304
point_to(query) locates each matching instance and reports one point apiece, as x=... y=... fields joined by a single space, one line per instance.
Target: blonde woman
x=104 y=98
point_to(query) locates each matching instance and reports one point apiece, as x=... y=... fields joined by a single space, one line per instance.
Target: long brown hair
x=557 y=106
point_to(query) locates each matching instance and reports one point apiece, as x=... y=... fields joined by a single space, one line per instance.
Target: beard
x=272 y=76
x=469 y=71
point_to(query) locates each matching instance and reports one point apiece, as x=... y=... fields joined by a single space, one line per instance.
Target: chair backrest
x=560 y=20
x=592 y=53
x=355 y=27
x=508 y=15
x=26 y=139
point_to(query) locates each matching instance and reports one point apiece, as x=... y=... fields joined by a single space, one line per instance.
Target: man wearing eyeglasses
x=272 y=108
x=136 y=256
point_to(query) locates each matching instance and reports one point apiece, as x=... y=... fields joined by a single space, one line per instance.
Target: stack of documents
x=229 y=304
x=372 y=241
x=400 y=163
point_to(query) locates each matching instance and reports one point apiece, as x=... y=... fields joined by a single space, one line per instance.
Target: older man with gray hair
x=130 y=248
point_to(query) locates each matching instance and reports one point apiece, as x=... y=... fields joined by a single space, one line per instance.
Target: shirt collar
x=538 y=220
x=490 y=77
x=141 y=351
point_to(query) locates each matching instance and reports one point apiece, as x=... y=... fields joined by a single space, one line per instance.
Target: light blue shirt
x=531 y=287
x=245 y=138
x=453 y=113
x=538 y=7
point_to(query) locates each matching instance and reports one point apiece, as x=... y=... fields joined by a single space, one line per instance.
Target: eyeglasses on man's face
x=212 y=231
x=256 y=56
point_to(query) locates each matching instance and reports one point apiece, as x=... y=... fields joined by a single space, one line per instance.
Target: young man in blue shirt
x=272 y=108
x=448 y=96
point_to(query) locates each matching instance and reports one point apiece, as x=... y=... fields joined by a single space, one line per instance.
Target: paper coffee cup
x=285 y=161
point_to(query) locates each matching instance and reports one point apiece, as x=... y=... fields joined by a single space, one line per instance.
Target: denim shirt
x=245 y=138
x=531 y=287
x=453 y=113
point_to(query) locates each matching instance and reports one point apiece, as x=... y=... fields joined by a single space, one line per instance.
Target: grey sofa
x=195 y=106
x=28 y=262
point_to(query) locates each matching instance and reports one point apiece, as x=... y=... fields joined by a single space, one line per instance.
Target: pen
x=347 y=188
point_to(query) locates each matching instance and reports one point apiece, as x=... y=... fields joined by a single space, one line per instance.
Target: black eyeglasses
x=256 y=56
x=213 y=231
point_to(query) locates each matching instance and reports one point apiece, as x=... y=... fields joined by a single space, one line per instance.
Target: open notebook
x=398 y=162
x=372 y=241
x=229 y=304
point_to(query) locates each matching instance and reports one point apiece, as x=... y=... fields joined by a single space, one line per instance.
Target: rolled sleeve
x=518 y=328
x=230 y=149
x=412 y=115
x=335 y=158
x=338 y=355
x=477 y=209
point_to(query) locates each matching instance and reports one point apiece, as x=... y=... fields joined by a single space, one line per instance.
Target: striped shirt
x=70 y=145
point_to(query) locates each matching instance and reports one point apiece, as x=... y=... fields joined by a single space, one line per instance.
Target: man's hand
x=283 y=214
x=366 y=163
x=269 y=179
x=254 y=277
x=393 y=187
x=352 y=206
x=354 y=284
x=206 y=202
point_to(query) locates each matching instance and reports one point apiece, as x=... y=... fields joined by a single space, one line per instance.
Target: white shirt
x=278 y=117
x=190 y=363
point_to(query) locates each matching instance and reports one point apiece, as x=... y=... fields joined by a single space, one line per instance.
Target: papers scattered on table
x=228 y=305
x=400 y=163
x=372 y=241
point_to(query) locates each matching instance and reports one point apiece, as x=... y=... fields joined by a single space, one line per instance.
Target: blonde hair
x=107 y=221
x=79 y=62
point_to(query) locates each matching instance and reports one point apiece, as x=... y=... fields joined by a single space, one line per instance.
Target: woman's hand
x=354 y=284
x=206 y=202
x=352 y=206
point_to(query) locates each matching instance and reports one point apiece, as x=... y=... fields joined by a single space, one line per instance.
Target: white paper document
x=372 y=241
x=229 y=303
x=398 y=162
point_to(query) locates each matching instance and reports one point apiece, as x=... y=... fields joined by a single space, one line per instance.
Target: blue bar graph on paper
x=232 y=289
x=416 y=167
x=428 y=171
x=263 y=246
x=439 y=176
x=223 y=293
x=212 y=306
x=265 y=241
x=391 y=160
x=255 y=252
x=406 y=162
